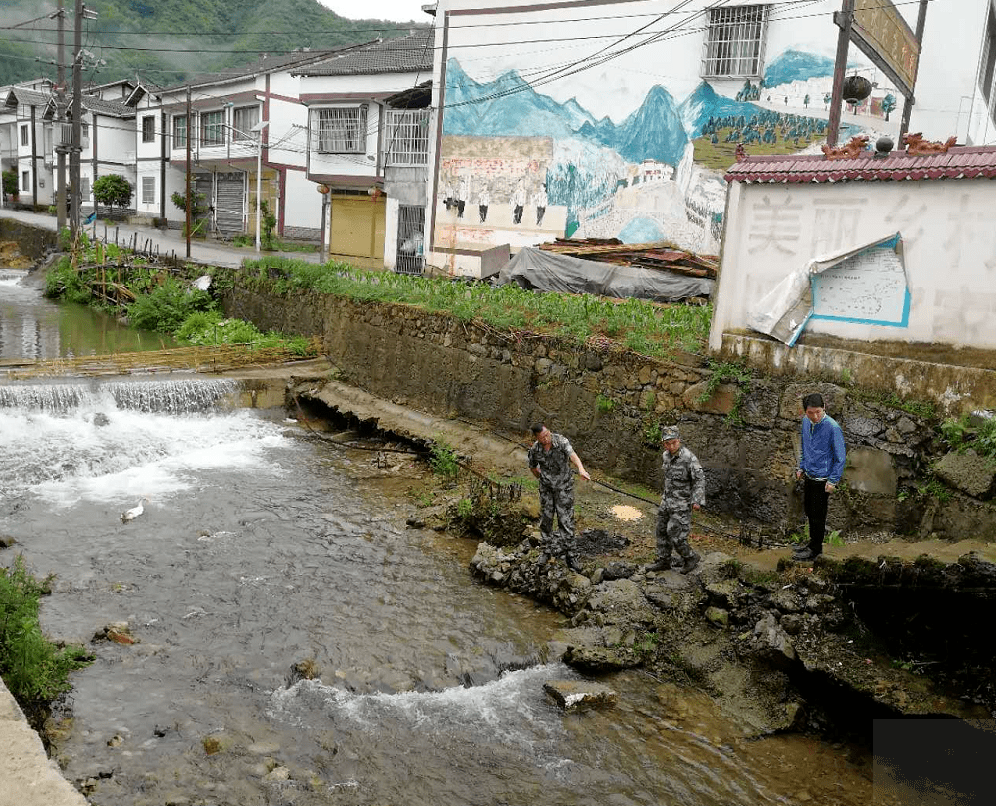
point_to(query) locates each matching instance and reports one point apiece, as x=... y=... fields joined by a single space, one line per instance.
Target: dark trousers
x=815 y=499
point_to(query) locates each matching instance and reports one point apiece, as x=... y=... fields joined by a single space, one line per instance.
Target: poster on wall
x=866 y=285
x=596 y=121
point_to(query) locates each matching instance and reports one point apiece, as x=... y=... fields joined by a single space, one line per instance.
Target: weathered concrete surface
x=27 y=776
x=956 y=387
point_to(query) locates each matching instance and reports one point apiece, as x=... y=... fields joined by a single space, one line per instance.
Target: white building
x=369 y=129
x=239 y=120
x=26 y=140
x=572 y=98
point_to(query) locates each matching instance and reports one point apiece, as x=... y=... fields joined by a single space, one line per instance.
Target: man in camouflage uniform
x=550 y=460
x=684 y=490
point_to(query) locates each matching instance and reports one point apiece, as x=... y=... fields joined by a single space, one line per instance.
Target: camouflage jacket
x=554 y=465
x=684 y=480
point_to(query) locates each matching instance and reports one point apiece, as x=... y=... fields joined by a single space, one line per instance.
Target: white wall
x=948 y=237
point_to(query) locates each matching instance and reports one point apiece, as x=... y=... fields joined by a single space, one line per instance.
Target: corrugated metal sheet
x=229 y=218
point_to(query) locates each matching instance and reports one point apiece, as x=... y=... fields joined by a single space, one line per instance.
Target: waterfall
x=162 y=397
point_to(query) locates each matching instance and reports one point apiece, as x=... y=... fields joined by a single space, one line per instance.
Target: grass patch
x=646 y=327
x=35 y=669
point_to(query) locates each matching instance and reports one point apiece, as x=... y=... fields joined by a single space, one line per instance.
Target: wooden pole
x=843 y=19
x=908 y=101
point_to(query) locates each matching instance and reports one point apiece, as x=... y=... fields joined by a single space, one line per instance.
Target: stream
x=258 y=550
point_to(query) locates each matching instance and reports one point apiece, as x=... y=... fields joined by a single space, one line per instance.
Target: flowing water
x=36 y=328
x=257 y=550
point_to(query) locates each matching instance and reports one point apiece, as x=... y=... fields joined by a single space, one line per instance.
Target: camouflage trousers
x=673 y=526
x=559 y=502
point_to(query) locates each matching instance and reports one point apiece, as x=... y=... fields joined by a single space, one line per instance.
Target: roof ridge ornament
x=853 y=150
x=916 y=146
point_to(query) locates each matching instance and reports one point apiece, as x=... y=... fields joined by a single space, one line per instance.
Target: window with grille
x=213 y=128
x=341 y=130
x=84 y=187
x=243 y=119
x=148 y=190
x=25 y=180
x=734 y=45
x=148 y=129
x=407 y=136
x=179 y=131
x=24 y=135
x=84 y=135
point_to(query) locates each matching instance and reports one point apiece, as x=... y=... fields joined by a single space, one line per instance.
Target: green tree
x=10 y=184
x=112 y=190
x=267 y=223
x=888 y=105
x=198 y=210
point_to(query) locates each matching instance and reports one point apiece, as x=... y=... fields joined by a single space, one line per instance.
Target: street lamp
x=258 y=128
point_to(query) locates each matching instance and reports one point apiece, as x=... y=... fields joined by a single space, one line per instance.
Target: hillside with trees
x=166 y=41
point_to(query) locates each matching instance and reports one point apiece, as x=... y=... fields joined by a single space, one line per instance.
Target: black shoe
x=660 y=565
x=691 y=563
x=803 y=555
x=572 y=563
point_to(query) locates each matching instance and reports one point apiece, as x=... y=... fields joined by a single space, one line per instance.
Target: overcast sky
x=397 y=10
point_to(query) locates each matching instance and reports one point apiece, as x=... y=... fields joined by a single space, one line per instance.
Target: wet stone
x=717 y=616
x=577 y=694
x=786 y=601
x=6 y=541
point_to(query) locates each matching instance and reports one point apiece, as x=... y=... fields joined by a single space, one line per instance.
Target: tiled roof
x=117 y=109
x=19 y=95
x=960 y=162
x=403 y=55
x=264 y=64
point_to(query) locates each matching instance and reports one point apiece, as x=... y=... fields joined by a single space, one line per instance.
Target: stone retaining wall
x=607 y=402
x=34 y=242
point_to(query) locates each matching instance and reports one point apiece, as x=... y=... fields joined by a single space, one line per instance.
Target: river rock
x=276 y=775
x=6 y=541
x=772 y=644
x=621 y=601
x=618 y=570
x=574 y=694
x=968 y=472
x=717 y=616
x=601 y=659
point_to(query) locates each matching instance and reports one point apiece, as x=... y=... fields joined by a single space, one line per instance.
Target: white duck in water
x=131 y=514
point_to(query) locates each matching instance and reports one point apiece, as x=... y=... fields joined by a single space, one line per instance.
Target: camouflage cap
x=671 y=432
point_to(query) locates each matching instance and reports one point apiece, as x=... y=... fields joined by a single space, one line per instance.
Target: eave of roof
x=959 y=162
x=406 y=54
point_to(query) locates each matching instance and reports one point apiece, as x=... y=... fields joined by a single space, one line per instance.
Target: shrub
x=35 y=669
x=112 y=190
x=64 y=282
x=443 y=460
x=166 y=307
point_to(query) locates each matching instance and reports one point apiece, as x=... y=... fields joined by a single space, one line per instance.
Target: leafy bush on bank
x=643 y=326
x=164 y=301
x=35 y=669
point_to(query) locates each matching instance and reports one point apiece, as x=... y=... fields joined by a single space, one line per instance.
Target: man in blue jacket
x=821 y=466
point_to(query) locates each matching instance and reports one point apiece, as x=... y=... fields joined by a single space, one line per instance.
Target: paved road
x=212 y=253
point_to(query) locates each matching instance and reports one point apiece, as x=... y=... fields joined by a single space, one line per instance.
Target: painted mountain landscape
x=654 y=175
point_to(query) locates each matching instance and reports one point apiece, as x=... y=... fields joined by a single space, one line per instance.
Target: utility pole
x=77 y=114
x=188 y=204
x=60 y=117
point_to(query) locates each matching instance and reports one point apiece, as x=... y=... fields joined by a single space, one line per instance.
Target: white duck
x=131 y=514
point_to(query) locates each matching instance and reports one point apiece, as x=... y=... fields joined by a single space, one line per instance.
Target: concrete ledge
x=28 y=777
x=954 y=389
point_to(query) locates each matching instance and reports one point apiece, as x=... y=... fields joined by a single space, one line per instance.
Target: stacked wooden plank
x=661 y=255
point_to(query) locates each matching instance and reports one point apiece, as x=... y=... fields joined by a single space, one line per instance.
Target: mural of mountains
x=507 y=106
x=705 y=103
x=653 y=131
x=510 y=106
x=794 y=65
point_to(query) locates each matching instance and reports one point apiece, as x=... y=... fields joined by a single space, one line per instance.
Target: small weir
x=158 y=396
